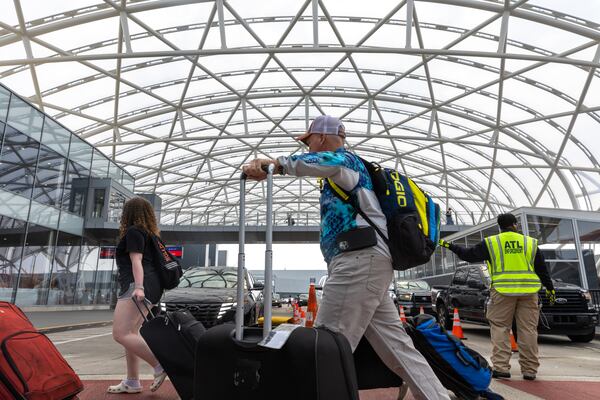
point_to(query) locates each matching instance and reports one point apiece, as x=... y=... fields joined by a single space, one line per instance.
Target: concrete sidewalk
x=59 y=321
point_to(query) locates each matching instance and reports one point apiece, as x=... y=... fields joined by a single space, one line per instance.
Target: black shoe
x=498 y=374
x=529 y=377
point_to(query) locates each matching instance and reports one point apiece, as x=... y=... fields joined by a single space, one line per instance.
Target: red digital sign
x=176 y=251
x=107 y=252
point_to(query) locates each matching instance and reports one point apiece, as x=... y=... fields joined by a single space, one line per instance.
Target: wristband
x=139 y=287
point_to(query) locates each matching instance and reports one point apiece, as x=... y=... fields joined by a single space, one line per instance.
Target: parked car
x=276 y=300
x=413 y=295
x=209 y=294
x=303 y=299
x=573 y=314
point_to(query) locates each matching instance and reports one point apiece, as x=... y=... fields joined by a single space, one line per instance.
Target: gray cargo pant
x=356 y=303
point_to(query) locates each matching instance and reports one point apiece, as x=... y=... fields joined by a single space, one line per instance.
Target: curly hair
x=140 y=213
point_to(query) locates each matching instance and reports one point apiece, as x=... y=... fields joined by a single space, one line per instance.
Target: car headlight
x=225 y=307
x=405 y=297
x=163 y=307
x=587 y=295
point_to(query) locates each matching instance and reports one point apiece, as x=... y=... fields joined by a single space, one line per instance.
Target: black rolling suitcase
x=371 y=372
x=230 y=364
x=172 y=337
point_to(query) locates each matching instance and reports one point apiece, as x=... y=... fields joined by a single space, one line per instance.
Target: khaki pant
x=356 y=302
x=500 y=313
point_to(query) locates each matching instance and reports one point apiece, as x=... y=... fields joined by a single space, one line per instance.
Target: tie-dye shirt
x=348 y=172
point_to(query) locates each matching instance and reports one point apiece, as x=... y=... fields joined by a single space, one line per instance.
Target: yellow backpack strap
x=340 y=192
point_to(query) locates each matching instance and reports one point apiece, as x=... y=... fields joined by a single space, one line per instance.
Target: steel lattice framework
x=488 y=105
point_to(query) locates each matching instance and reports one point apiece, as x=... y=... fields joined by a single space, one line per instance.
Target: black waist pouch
x=356 y=239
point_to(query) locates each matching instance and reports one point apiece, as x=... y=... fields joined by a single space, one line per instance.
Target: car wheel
x=443 y=317
x=583 y=338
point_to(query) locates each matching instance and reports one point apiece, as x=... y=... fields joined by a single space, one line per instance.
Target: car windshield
x=209 y=278
x=413 y=285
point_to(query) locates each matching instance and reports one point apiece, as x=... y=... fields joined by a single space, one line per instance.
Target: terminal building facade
x=51 y=183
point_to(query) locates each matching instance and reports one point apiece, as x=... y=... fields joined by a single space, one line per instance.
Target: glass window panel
x=36 y=266
x=555 y=235
x=64 y=270
x=84 y=291
x=18 y=162
x=1 y=134
x=98 y=206
x=12 y=237
x=429 y=268
x=589 y=237
x=115 y=172
x=115 y=206
x=71 y=223
x=44 y=215
x=473 y=239
x=448 y=261
x=437 y=256
x=128 y=181
x=49 y=177
x=106 y=288
x=565 y=271
x=25 y=118
x=75 y=190
x=491 y=231
x=80 y=152
x=14 y=206
x=100 y=165
x=56 y=137
x=4 y=99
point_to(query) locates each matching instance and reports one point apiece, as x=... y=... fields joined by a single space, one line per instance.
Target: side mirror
x=258 y=286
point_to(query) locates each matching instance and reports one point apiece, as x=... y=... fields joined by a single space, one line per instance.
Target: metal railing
x=283 y=218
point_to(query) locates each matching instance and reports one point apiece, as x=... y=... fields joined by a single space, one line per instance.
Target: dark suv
x=413 y=295
x=573 y=314
x=209 y=294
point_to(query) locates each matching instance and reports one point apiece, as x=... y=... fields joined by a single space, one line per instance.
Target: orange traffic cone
x=402 y=315
x=456 y=327
x=513 y=343
x=296 y=317
x=421 y=310
x=312 y=306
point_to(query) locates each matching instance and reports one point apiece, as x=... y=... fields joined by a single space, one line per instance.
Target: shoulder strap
x=347 y=198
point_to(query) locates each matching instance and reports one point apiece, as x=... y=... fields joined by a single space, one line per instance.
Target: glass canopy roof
x=488 y=105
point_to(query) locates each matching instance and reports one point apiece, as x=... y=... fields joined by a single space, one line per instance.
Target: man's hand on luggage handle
x=254 y=168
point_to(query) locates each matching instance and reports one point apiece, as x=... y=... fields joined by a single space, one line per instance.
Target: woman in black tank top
x=139 y=283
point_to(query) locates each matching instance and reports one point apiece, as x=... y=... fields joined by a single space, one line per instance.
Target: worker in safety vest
x=517 y=271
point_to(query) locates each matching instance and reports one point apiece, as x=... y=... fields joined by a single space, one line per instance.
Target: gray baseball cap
x=324 y=125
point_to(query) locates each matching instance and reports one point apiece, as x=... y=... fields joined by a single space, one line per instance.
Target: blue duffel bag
x=460 y=369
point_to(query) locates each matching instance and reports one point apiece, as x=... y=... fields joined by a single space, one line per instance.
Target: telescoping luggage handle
x=267 y=290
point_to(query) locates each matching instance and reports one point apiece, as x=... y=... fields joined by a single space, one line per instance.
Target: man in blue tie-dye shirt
x=355 y=298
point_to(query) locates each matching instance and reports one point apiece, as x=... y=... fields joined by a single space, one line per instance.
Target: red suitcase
x=31 y=368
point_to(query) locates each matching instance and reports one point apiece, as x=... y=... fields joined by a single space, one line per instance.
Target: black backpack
x=169 y=269
x=412 y=217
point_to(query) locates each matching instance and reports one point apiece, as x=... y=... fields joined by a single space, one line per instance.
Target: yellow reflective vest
x=511 y=268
